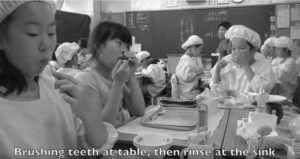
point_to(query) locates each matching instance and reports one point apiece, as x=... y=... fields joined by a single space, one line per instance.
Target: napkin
x=248 y=129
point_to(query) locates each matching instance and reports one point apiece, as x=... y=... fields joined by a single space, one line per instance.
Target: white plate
x=272 y=98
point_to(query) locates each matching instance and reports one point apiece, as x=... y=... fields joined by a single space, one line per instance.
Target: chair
x=166 y=92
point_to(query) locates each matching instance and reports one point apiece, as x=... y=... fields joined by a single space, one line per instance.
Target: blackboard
x=163 y=32
x=70 y=27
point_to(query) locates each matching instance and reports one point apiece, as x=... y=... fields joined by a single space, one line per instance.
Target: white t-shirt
x=44 y=123
x=103 y=86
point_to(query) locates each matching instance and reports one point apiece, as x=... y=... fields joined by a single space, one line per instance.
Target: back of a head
x=225 y=24
x=65 y=52
x=107 y=31
x=142 y=55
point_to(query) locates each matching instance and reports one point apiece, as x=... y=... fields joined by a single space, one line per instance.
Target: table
x=224 y=136
x=125 y=140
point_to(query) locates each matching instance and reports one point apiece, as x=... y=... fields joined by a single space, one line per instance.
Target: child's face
x=197 y=49
x=111 y=51
x=221 y=32
x=280 y=52
x=31 y=38
x=240 y=48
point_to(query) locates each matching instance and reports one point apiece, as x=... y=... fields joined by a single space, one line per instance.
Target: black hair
x=107 y=31
x=225 y=24
x=82 y=42
x=154 y=60
x=10 y=77
x=250 y=45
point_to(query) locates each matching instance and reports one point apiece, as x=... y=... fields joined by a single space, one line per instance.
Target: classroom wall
x=132 y=5
x=78 y=6
x=114 y=9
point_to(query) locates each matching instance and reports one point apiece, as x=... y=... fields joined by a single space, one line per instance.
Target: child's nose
x=45 y=44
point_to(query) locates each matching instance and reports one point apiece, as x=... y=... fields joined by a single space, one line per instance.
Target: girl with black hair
x=34 y=115
x=114 y=79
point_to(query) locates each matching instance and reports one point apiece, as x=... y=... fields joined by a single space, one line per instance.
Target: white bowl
x=151 y=142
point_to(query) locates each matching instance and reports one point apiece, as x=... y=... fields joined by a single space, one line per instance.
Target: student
x=66 y=55
x=141 y=58
x=244 y=69
x=190 y=68
x=112 y=78
x=285 y=68
x=268 y=48
x=145 y=55
x=33 y=114
x=223 y=47
x=153 y=70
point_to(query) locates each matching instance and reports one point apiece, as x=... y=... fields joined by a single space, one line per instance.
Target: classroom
x=157 y=79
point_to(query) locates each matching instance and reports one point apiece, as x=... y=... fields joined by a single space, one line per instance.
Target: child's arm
x=133 y=96
x=84 y=102
x=120 y=75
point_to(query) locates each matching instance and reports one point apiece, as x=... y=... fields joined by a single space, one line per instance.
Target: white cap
x=8 y=6
x=243 y=32
x=65 y=52
x=284 y=42
x=142 y=55
x=270 y=41
x=191 y=41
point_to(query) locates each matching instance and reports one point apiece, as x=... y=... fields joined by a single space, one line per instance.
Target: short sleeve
x=87 y=78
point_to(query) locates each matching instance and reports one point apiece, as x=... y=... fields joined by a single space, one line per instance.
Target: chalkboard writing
x=138 y=21
x=163 y=32
x=186 y=28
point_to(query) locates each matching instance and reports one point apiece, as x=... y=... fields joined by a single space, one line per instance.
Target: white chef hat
x=191 y=41
x=8 y=6
x=243 y=32
x=65 y=52
x=284 y=42
x=270 y=41
x=142 y=55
